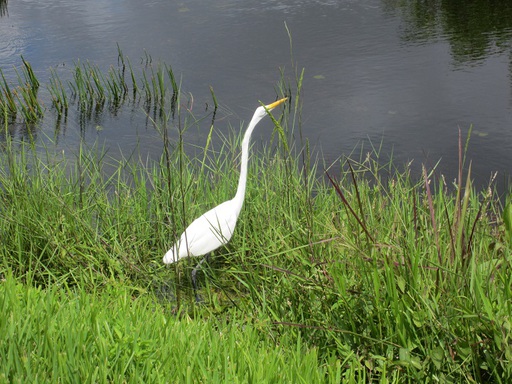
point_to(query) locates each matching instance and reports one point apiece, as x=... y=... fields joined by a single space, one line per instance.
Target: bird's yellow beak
x=275 y=104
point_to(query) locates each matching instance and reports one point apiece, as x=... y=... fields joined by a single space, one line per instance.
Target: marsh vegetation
x=361 y=272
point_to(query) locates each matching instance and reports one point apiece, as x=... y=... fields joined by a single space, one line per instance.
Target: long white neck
x=240 y=192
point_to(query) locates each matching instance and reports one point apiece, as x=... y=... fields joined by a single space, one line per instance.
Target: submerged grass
x=90 y=89
x=365 y=274
x=21 y=99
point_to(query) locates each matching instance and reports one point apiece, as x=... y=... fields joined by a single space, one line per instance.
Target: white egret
x=215 y=228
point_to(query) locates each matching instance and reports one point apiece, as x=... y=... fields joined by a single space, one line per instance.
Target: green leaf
x=507 y=219
x=437 y=356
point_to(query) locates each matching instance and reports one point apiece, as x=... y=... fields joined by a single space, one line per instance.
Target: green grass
x=90 y=90
x=54 y=335
x=366 y=274
x=21 y=99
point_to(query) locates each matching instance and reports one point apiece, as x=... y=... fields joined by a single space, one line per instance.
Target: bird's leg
x=194 y=273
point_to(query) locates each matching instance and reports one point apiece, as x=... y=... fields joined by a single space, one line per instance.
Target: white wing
x=206 y=233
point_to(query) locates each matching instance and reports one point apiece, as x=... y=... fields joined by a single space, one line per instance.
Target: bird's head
x=262 y=111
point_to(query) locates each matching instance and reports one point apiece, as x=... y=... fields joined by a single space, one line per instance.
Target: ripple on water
x=11 y=44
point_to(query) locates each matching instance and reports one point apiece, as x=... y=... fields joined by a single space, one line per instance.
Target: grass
x=55 y=335
x=23 y=98
x=365 y=274
x=90 y=90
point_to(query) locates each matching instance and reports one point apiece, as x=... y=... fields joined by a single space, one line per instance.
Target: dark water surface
x=404 y=73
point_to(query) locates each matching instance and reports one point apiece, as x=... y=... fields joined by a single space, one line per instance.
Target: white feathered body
x=206 y=233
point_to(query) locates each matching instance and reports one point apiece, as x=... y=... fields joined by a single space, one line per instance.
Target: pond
x=403 y=76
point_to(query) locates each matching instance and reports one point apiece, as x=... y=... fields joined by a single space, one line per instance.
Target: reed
x=7 y=99
x=91 y=90
x=28 y=73
x=22 y=98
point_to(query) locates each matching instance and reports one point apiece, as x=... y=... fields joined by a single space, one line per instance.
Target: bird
x=215 y=228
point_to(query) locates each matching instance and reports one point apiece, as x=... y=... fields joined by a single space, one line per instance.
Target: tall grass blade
x=347 y=204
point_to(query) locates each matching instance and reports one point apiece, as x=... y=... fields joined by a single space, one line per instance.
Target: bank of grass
x=359 y=275
x=57 y=335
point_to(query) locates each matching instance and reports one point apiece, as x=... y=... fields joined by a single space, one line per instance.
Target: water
x=404 y=74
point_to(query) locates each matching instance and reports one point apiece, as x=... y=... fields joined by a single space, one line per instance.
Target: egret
x=215 y=228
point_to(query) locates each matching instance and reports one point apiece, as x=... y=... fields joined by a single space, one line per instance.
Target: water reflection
x=3 y=8
x=474 y=29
